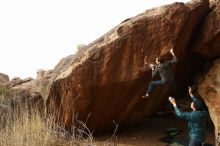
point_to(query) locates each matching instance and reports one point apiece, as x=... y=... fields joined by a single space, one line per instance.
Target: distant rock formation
x=3 y=78
x=18 y=93
x=42 y=82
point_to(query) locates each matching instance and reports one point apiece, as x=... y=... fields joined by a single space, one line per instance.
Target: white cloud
x=36 y=34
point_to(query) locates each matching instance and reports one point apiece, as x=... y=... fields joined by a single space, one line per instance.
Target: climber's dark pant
x=171 y=83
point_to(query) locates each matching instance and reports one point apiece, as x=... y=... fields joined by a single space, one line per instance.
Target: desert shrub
x=81 y=46
x=32 y=129
x=3 y=89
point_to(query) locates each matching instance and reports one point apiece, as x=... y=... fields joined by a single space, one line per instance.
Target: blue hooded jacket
x=196 y=120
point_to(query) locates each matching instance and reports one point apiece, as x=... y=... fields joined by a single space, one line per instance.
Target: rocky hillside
x=17 y=93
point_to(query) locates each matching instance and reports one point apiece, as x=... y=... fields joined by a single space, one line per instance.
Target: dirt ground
x=151 y=132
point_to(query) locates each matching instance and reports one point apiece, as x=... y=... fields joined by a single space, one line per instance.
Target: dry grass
x=31 y=129
x=22 y=125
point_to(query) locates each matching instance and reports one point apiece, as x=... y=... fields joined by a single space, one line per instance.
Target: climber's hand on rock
x=151 y=66
x=171 y=51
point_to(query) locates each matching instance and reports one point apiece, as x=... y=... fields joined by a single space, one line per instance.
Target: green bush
x=3 y=89
x=80 y=46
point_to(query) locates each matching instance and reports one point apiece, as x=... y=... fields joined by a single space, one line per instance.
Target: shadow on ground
x=157 y=131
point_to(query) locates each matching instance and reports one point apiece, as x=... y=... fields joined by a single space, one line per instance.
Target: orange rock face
x=104 y=83
x=209 y=89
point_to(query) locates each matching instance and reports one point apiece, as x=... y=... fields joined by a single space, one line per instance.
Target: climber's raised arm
x=174 y=60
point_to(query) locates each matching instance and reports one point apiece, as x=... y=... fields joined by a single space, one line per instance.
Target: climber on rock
x=196 y=119
x=164 y=69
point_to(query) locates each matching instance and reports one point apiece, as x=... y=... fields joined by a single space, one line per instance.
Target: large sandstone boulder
x=209 y=89
x=104 y=83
